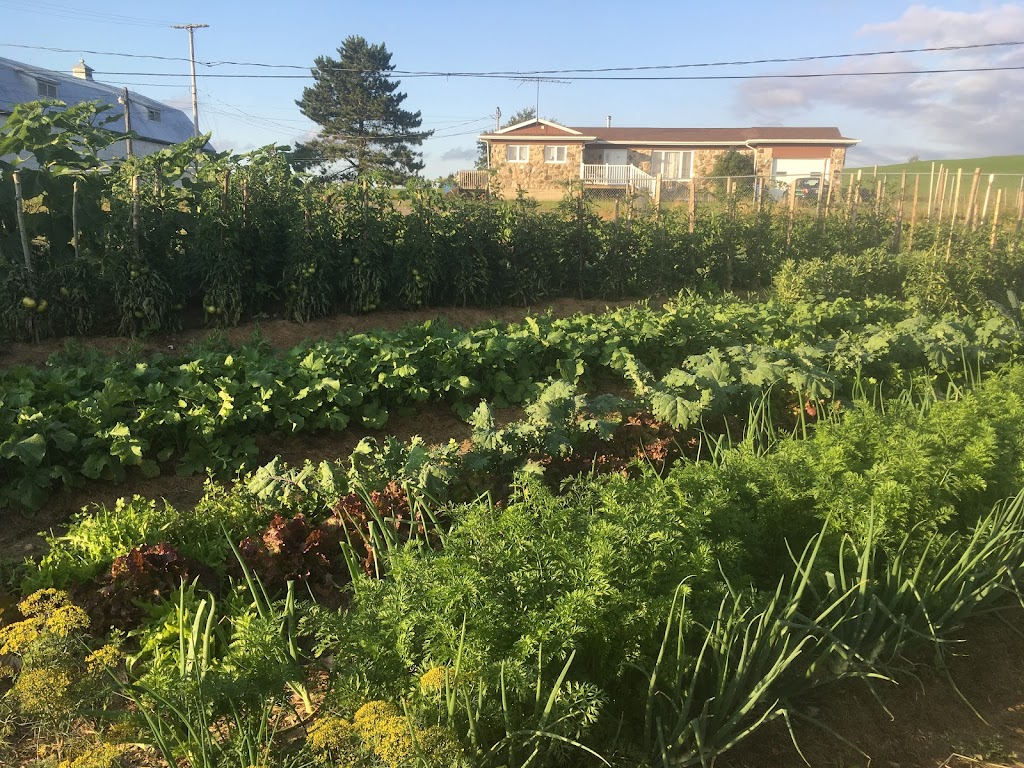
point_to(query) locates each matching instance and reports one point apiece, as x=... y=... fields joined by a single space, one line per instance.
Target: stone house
x=540 y=157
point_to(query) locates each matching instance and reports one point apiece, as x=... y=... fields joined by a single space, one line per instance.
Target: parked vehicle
x=809 y=186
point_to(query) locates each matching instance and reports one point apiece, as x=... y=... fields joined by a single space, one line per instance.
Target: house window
x=47 y=89
x=672 y=165
x=554 y=154
x=153 y=114
x=517 y=153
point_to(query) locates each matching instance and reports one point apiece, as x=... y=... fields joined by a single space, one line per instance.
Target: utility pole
x=192 y=59
x=497 y=119
x=127 y=123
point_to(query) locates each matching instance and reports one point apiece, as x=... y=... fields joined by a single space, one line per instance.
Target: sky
x=895 y=116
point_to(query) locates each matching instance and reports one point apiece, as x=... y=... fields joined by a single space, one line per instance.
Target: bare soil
x=930 y=725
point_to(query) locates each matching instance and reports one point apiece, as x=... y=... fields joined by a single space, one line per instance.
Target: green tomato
x=28 y=302
x=42 y=306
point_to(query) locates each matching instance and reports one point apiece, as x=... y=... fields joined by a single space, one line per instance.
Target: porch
x=618 y=176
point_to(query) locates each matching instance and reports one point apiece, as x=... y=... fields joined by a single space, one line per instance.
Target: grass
x=1000 y=164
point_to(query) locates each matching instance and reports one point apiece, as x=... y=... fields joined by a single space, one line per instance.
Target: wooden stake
x=245 y=201
x=821 y=189
x=988 y=193
x=972 y=199
x=74 y=219
x=19 y=215
x=954 y=196
x=879 y=192
x=995 y=219
x=136 y=240
x=940 y=193
x=931 y=192
x=693 y=204
x=913 y=214
x=1020 y=214
x=657 y=193
x=898 y=233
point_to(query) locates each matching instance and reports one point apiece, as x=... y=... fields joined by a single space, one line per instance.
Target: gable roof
x=542 y=129
x=19 y=83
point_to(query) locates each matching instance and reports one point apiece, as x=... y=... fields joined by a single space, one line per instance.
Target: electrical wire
x=527 y=73
x=52 y=10
x=666 y=78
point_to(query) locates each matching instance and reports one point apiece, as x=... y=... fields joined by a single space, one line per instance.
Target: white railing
x=617 y=176
x=473 y=179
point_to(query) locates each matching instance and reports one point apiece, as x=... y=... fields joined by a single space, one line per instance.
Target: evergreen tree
x=363 y=127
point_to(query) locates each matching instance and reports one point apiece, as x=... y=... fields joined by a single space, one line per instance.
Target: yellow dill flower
x=103 y=659
x=103 y=756
x=433 y=680
x=42 y=691
x=391 y=741
x=67 y=619
x=372 y=711
x=334 y=740
x=439 y=746
x=15 y=638
x=43 y=602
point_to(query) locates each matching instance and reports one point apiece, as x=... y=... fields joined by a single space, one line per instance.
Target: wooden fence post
x=657 y=193
x=940 y=193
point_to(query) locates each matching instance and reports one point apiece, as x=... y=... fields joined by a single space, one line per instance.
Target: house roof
x=681 y=136
x=19 y=83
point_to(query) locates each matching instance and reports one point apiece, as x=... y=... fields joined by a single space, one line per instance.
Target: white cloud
x=969 y=113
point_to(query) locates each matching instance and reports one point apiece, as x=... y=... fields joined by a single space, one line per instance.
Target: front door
x=617 y=176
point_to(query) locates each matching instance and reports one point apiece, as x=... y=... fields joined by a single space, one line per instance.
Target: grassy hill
x=999 y=164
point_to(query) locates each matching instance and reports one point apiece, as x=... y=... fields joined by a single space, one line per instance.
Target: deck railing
x=473 y=179
x=617 y=176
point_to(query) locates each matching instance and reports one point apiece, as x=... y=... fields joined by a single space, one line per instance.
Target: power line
x=51 y=10
x=527 y=73
x=574 y=78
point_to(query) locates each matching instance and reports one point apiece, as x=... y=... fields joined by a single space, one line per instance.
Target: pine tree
x=363 y=127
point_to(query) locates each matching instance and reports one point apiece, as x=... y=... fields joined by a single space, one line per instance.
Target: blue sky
x=934 y=116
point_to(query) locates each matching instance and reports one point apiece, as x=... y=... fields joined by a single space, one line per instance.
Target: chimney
x=82 y=71
x=608 y=121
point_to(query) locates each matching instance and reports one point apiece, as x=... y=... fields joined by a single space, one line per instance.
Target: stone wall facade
x=548 y=181
x=536 y=177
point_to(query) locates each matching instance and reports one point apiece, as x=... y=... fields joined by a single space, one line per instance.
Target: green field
x=1012 y=164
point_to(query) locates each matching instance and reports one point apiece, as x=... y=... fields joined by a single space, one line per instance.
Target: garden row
x=652 y=618
x=185 y=236
x=86 y=415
